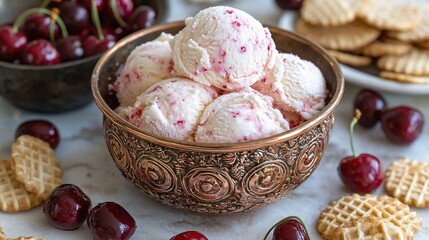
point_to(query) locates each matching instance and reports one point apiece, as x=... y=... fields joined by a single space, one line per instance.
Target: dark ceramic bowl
x=216 y=178
x=55 y=88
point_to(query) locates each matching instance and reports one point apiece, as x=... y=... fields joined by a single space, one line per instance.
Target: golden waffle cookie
x=350 y=59
x=387 y=16
x=346 y=37
x=36 y=166
x=356 y=206
x=327 y=13
x=346 y=209
x=420 y=33
x=399 y=214
x=369 y=228
x=379 y=48
x=13 y=196
x=407 y=181
x=404 y=78
x=414 y=63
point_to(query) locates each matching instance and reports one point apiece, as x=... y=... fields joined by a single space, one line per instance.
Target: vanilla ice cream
x=239 y=117
x=146 y=65
x=296 y=85
x=172 y=108
x=224 y=47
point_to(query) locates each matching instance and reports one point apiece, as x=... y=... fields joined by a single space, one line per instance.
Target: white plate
x=358 y=77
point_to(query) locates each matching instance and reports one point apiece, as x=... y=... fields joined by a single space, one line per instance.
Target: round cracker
x=350 y=59
x=404 y=78
x=347 y=37
x=416 y=63
x=379 y=48
x=327 y=13
x=419 y=33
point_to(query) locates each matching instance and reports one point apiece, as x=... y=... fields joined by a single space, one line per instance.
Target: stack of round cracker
x=392 y=36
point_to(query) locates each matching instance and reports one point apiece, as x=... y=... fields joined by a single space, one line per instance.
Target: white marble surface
x=87 y=163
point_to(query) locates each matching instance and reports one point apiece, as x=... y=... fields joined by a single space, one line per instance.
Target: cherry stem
x=30 y=11
x=284 y=220
x=96 y=20
x=54 y=17
x=116 y=14
x=355 y=119
x=45 y=3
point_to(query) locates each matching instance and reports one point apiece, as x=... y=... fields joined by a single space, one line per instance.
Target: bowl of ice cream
x=220 y=166
x=45 y=87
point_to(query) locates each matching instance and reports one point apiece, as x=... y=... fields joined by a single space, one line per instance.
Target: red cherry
x=11 y=44
x=189 y=235
x=75 y=16
x=37 y=26
x=290 y=4
x=402 y=124
x=372 y=105
x=40 y=52
x=110 y=220
x=361 y=174
x=291 y=229
x=125 y=9
x=99 y=3
x=143 y=17
x=67 y=207
x=42 y=129
x=70 y=48
x=92 y=45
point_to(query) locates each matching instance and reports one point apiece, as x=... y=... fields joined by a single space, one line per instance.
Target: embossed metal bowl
x=55 y=88
x=216 y=178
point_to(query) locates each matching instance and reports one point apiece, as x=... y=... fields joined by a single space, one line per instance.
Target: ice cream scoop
x=146 y=65
x=224 y=47
x=239 y=117
x=172 y=108
x=296 y=85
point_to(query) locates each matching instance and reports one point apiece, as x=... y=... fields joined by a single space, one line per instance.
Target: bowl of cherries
x=49 y=48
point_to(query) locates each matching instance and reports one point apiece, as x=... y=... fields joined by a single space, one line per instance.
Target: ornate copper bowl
x=216 y=178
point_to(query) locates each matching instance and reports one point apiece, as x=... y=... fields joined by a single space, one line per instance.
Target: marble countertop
x=87 y=163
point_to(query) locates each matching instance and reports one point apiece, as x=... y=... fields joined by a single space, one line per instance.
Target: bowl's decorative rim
x=212 y=147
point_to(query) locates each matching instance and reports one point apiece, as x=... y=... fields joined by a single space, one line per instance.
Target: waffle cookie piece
x=413 y=63
x=13 y=196
x=388 y=16
x=369 y=228
x=350 y=59
x=420 y=33
x=328 y=13
x=407 y=180
x=404 y=78
x=36 y=166
x=379 y=48
x=350 y=208
x=350 y=36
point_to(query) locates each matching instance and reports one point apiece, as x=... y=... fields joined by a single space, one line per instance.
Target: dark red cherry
x=37 y=26
x=75 y=16
x=40 y=52
x=67 y=207
x=99 y=3
x=189 y=235
x=92 y=45
x=142 y=17
x=42 y=129
x=289 y=4
x=125 y=9
x=111 y=221
x=70 y=48
x=11 y=44
x=372 y=105
x=362 y=173
x=291 y=229
x=402 y=124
